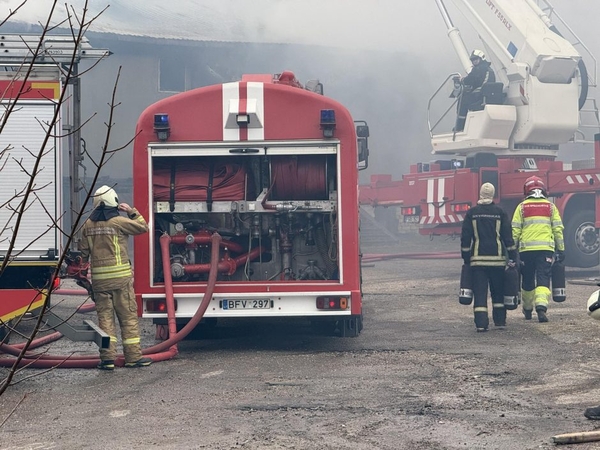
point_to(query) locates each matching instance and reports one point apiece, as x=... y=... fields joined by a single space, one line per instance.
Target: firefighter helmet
x=477 y=54
x=106 y=197
x=534 y=186
x=593 y=305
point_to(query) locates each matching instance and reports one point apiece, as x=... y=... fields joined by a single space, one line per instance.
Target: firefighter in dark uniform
x=537 y=229
x=471 y=98
x=104 y=243
x=486 y=242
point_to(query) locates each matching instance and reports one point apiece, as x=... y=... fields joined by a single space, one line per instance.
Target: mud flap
x=350 y=327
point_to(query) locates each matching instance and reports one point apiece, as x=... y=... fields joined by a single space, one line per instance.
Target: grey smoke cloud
x=414 y=54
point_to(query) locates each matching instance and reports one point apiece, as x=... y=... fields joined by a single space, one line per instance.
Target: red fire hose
x=160 y=352
x=385 y=256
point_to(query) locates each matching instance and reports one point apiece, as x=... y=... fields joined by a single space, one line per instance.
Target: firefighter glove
x=78 y=269
x=85 y=283
x=560 y=256
x=466 y=257
x=511 y=263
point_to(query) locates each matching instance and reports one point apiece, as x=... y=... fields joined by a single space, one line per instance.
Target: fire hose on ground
x=159 y=352
x=374 y=257
x=168 y=348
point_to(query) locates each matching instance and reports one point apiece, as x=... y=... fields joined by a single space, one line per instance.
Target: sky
x=414 y=27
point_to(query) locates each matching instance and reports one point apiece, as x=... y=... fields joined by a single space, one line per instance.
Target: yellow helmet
x=106 y=197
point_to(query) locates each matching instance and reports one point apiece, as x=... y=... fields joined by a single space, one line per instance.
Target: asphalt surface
x=418 y=378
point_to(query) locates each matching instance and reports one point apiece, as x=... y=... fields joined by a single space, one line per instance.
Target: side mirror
x=363 y=153
x=362 y=142
x=362 y=131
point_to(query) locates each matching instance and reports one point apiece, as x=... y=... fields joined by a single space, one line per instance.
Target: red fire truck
x=32 y=214
x=36 y=241
x=272 y=167
x=538 y=102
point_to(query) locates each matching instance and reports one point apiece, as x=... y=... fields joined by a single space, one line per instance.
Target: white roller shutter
x=20 y=143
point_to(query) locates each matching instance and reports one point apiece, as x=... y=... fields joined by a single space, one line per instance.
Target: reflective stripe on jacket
x=104 y=244
x=536 y=225
x=486 y=236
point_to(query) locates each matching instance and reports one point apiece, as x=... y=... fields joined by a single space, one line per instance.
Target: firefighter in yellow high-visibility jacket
x=538 y=233
x=104 y=244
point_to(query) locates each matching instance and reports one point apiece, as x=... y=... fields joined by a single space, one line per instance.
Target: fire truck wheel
x=581 y=240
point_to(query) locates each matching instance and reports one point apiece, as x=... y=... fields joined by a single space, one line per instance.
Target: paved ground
x=418 y=378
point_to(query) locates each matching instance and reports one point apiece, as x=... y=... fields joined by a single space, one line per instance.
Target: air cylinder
x=465 y=294
x=511 y=288
x=559 y=292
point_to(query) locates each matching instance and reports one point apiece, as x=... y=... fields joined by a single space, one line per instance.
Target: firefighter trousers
x=119 y=299
x=482 y=276
x=469 y=101
x=536 y=273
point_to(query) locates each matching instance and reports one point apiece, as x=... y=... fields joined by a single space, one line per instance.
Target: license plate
x=260 y=303
x=411 y=219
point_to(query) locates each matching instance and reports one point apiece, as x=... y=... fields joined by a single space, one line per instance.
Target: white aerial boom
x=544 y=81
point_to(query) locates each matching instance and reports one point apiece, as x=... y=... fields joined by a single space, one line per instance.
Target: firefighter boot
x=106 y=364
x=541 y=313
x=542 y=295
x=499 y=315
x=481 y=318
x=142 y=362
x=527 y=297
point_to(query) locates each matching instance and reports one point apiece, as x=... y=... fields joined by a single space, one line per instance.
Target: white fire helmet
x=477 y=54
x=593 y=305
x=106 y=196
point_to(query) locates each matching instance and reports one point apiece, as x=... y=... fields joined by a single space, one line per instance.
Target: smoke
x=390 y=25
x=383 y=59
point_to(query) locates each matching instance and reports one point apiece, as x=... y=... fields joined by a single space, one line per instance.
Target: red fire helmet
x=532 y=183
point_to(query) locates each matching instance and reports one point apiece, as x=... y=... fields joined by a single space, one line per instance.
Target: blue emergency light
x=161 y=126
x=327 y=122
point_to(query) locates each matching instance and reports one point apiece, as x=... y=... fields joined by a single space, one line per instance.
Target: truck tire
x=581 y=240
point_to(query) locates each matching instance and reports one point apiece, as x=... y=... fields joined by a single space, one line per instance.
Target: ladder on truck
x=53 y=49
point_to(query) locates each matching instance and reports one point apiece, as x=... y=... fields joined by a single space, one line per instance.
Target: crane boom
x=519 y=34
x=536 y=107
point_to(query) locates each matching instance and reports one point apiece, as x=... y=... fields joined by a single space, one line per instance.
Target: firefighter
x=471 y=98
x=104 y=244
x=538 y=232
x=485 y=242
